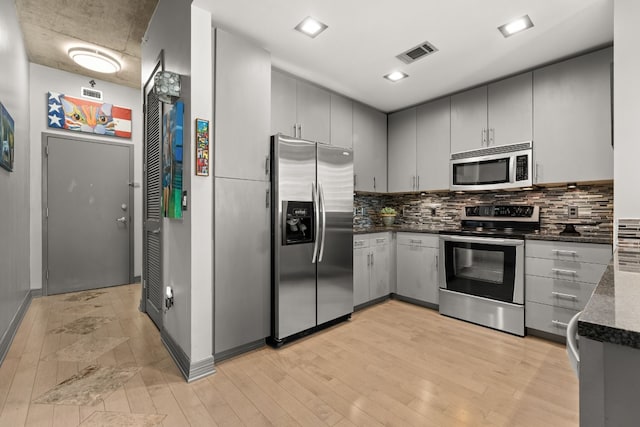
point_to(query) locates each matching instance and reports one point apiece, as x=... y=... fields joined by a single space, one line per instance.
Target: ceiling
x=116 y=27
x=358 y=48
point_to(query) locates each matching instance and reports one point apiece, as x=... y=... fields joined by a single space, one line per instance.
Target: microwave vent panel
x=499 y=149
x=417 y=52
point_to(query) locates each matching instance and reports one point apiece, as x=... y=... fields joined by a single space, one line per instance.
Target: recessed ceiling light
x=311 y=27
x=516 y=26
x=94 y=60
x=396 y=76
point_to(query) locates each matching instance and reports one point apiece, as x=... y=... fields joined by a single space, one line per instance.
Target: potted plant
x=388 y=216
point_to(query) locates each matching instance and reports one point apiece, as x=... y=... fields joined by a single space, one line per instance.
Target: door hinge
x=47 y=212
x=46 y=150
x=47 y=274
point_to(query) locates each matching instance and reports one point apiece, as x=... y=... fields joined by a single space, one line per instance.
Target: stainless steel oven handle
x=485 y=240
x=316 y=220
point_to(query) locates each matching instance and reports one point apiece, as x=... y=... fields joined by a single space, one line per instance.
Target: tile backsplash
x=442 y=210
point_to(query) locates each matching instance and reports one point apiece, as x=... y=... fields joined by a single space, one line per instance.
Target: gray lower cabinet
x=242 y=100
x=369 y=149
x=560 y=278
x=242 y=264
x=572 y=126
x=371 y=267
x=417 y=267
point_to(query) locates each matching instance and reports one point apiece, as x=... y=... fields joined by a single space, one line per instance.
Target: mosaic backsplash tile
x=442 y=210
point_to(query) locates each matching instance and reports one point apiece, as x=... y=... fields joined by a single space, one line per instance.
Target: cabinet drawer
x=418 y=239
x=379 y=239
x=559 y=293
x=569 y=251
x=360 y=242
x=548 y=318
x=570 y=271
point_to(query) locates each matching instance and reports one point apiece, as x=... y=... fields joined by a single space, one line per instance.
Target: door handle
x=324 y=220
x=122 y=220
x=316 y=220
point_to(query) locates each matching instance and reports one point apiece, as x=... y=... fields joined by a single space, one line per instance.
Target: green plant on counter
x=387 y=211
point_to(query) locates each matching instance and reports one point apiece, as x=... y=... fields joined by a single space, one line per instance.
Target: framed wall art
x=173 y=124
x=7 y=137
x=83 y=115
x=202 y=147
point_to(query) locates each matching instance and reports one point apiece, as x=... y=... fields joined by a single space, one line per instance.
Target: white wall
x=44 y=79
x=626 y=93
x=14 y=186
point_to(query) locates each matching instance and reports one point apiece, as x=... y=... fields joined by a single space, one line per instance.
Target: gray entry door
x=88 y=214
x=152 y=295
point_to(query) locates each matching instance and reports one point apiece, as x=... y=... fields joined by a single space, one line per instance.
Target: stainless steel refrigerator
x=312 y=249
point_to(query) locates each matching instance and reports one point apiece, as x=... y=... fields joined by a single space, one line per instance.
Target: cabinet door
x=283 y=103
x=572 y=127
x=417 y=273
x=314 y=113
x=341 y=121
x=433 y=143
x=402 y=151
x=243 y=79
x=369 y=149
x=510 y=110
x=361 y=261
x=380 y=263
x=242 y=263
x=469 y=120
x=429 y=275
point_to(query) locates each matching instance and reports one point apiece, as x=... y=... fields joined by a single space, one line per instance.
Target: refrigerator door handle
x=316 y=219
x=324 y=220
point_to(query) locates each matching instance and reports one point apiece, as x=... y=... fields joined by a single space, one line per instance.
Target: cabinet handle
x=483 y=138
x=368 y=259
x=562 y=252
x=492 y=135
x=559 y=323
x=561 y=295
x=380 y=240
x=266 y=166
x=295 y=130
x=418 y=184
x=372 y=259
x=415 y=241
x=299 y=130
x=374 y=182
x=413 y=182
x=437 y=265
x=354 y=181
x=267 y=200
x=562 y=271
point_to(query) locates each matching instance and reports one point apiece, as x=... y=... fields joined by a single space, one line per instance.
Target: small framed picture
x=202 y=147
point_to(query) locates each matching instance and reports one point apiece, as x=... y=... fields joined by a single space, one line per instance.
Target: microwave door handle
x=512 y=169
x=316 y=220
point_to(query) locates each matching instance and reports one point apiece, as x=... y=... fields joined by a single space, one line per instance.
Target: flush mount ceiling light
x=516 y=26
x=311 y=27
x=396 y=76
x=94 y=60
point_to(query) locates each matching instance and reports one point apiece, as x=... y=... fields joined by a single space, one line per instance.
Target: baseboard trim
x=7 y=338
x=136 y=279
x=190 y=371
x=36 y=293
x=372 y=302
x=415 y=301
x=227 y=354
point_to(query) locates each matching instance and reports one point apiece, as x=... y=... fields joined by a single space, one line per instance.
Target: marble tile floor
x=92 y=359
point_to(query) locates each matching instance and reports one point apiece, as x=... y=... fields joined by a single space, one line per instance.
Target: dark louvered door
x=152 y=245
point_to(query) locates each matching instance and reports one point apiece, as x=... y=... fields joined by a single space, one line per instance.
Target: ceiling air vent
x=417 y=52
x=91 y=93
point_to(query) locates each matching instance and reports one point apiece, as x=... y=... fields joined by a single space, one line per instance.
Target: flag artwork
x=82 y=115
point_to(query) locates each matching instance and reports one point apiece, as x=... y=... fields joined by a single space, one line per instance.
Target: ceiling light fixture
x=94 y=60
x=396 y=76
x=516 y=26
x=311 y=27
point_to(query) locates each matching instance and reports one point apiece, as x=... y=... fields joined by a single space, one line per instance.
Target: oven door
x=485 y=267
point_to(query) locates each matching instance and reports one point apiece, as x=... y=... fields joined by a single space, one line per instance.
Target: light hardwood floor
x=392 y=364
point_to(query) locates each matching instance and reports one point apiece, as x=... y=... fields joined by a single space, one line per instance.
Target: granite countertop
x=612 y=314
x=604 y=238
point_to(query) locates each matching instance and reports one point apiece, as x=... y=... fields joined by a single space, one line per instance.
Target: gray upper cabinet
x=572 y=127
x=283 y=104
x=433 y=135
x=242 y=99
x=341 y=121
x=300 y=109
x=497 y=114
x=369 y=149
x=402 y=151
x=510 y=110
x=469 y=120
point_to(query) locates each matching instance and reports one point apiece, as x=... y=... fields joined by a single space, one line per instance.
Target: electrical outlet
x=573 y=212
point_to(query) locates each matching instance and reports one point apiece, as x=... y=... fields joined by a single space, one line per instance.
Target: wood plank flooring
x=392 y=364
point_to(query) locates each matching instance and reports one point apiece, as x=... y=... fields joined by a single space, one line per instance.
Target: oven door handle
x=485 y=240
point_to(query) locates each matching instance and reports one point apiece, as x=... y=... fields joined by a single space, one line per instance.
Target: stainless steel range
x=482 y=276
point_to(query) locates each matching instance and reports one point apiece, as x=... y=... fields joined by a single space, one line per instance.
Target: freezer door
x=294 y=274
x=335 y=259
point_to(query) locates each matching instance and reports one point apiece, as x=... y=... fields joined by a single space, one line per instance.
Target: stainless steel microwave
x=492 y=168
